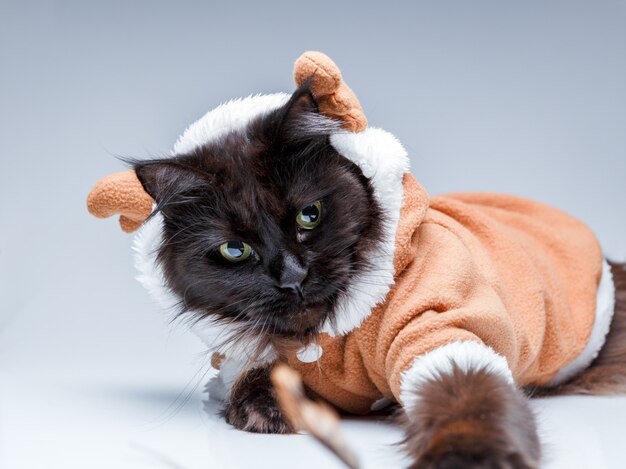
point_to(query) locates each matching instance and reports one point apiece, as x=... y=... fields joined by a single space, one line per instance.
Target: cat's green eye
x=309 y=217
x=235 y=251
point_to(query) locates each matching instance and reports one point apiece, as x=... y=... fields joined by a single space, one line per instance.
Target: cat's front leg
x=470 y=419
x=253 y=406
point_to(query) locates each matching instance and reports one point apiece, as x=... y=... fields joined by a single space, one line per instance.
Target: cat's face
x=265 y=227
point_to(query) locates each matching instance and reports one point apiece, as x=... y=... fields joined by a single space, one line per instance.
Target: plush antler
x=122 y=193
x=334 y=96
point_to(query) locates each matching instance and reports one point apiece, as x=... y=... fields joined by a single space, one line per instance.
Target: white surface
x=68 y=427
x=48 y=425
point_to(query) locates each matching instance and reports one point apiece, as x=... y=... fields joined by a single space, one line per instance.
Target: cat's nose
x=293 y=274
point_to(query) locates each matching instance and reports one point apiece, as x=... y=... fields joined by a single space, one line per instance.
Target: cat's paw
x=257 y=417
x=459 y=448
x=253 y=407
x=471 y=419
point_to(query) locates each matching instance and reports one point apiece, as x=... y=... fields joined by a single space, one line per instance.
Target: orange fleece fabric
x=516 y=275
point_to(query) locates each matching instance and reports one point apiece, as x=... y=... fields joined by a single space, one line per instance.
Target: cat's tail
x=607 y=373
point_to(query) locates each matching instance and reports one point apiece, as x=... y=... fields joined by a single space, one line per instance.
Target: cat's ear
x=301 y=118
x=164 y=179
x=301 y=101
x=300 y=108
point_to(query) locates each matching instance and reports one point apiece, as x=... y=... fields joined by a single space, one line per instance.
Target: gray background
x=524 y=97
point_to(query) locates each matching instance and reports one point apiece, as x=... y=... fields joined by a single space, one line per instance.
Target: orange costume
x=484 y=273
x=481 y=280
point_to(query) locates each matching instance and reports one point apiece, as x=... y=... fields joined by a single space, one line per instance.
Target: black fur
x=249 y=186
x=253 y=406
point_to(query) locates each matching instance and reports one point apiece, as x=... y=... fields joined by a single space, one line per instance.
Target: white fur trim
x=145 y=247
x=605 y=307
x=227 y=117
x=467 y=355
x=221 y=383
x=384 y=161
x=217 y=336
x=150 y=275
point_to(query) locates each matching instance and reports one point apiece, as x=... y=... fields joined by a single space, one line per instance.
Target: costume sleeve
x=443 y=298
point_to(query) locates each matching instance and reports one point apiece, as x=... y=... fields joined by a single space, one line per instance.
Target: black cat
x=259 y=234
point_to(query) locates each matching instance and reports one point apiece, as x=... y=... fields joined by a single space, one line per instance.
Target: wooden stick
x=317 y=418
